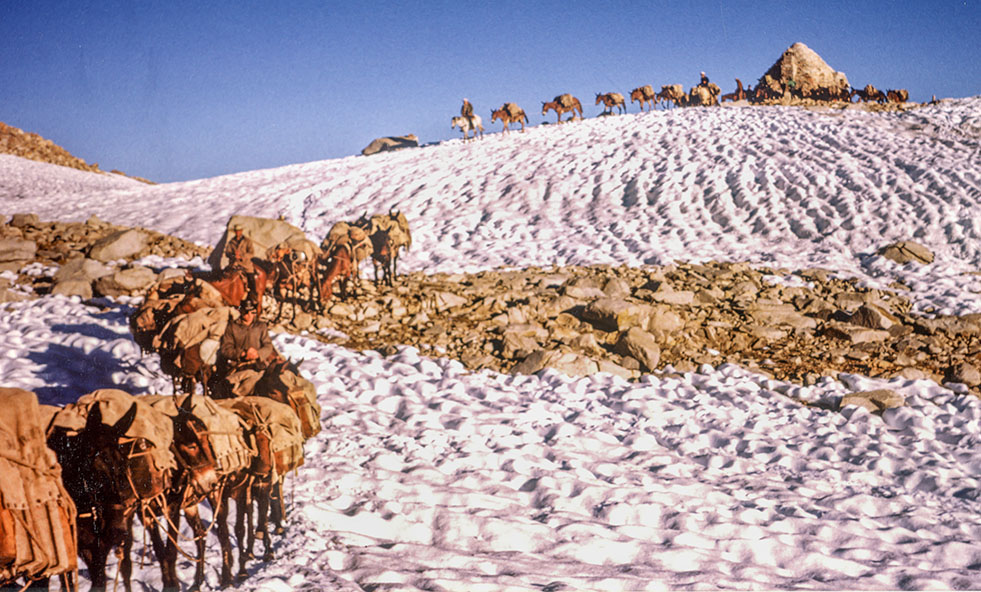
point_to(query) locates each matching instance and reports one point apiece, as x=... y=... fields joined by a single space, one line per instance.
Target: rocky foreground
x=795 y=325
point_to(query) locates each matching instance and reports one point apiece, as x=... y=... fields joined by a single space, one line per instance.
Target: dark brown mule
x=611 y=100
x=563 y=104
x=334 y=266
x=382 y=257
x=195 y=479
x=108 y=476
x=187 y=369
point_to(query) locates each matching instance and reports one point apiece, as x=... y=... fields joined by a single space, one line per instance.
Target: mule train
x=82 y=474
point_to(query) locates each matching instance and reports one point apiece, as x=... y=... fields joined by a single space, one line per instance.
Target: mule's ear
x=124 y=423
x=94 y=420
x=186 y=404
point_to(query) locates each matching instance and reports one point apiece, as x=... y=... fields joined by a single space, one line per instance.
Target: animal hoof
x=279 y=531
x=267 y=556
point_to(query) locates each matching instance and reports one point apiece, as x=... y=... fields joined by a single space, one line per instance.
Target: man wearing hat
x=467 y=111
x=239 y=250
x=245 y=351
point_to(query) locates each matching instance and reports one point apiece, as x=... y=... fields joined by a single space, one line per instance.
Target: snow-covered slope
x=784 y=186
x=430 y=477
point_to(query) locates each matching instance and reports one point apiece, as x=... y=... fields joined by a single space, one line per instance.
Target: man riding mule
x=239 y=249
x=245 y=352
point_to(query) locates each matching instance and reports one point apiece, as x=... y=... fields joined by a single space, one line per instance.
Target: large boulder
x=119 y=245
x=16 y=252
x=907 y=252
x=390 y=143
x=264 y=232
x=801 y=68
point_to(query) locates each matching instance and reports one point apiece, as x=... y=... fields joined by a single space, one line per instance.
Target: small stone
x=965 y=373
x=640 y=345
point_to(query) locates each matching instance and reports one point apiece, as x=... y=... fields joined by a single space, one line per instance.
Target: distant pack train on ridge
x=768 y=91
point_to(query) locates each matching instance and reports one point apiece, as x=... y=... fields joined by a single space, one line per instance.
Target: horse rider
x=705 y=80
x=240 y=250
x=245 y=351
x=467 y=111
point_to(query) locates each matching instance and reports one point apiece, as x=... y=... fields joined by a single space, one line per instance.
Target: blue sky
x=176 y=90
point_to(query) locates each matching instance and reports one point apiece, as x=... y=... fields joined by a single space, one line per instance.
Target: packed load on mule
x=116 y=458
x=563 y=103
x=279 y=438
x=210 y=446
x=343 y=249
x=37 y=514
x=509 y=113
x=645 y=95
x=611 y=100
x=389 y=235
x=295 y=261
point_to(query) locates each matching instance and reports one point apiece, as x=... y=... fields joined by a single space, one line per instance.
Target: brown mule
x=563 y=104
x=109 y=476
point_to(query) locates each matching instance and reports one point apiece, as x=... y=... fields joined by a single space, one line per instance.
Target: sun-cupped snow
x=427 y=476
x=781 y=186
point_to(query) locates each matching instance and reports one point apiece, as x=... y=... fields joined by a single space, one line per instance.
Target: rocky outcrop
x=390 y=143
x=32 y=146
x=802 y=71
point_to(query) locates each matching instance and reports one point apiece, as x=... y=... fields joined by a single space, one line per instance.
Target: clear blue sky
x=176 y=90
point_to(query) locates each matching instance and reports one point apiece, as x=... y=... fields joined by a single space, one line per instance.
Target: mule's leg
x=193 y=517
x=243 y=510
x=220 y=505
x=168 y=564
x=126 y=559
x=262 y=521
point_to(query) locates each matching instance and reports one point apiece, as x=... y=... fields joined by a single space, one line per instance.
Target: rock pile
x=32 y=146
x=94 y=258
x=795 y=326
x=792 y=325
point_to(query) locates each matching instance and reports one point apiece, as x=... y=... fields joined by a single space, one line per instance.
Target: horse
x=187 y=369
x=293 y=274
x=510 y=113
x=897 y=96
x=868 y=94
x=109 y=476
x=472 y=124
x=737 y=95
x=644 y=95
x=247 y=486
x=195 y=479
x=563 y=104
x=611 y=100
x=389 y=233
x=234 y=287
x=335 y=264
x=382 y=258
x=673 y=94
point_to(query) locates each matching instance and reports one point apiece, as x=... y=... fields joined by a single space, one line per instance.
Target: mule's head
x=193 y=450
